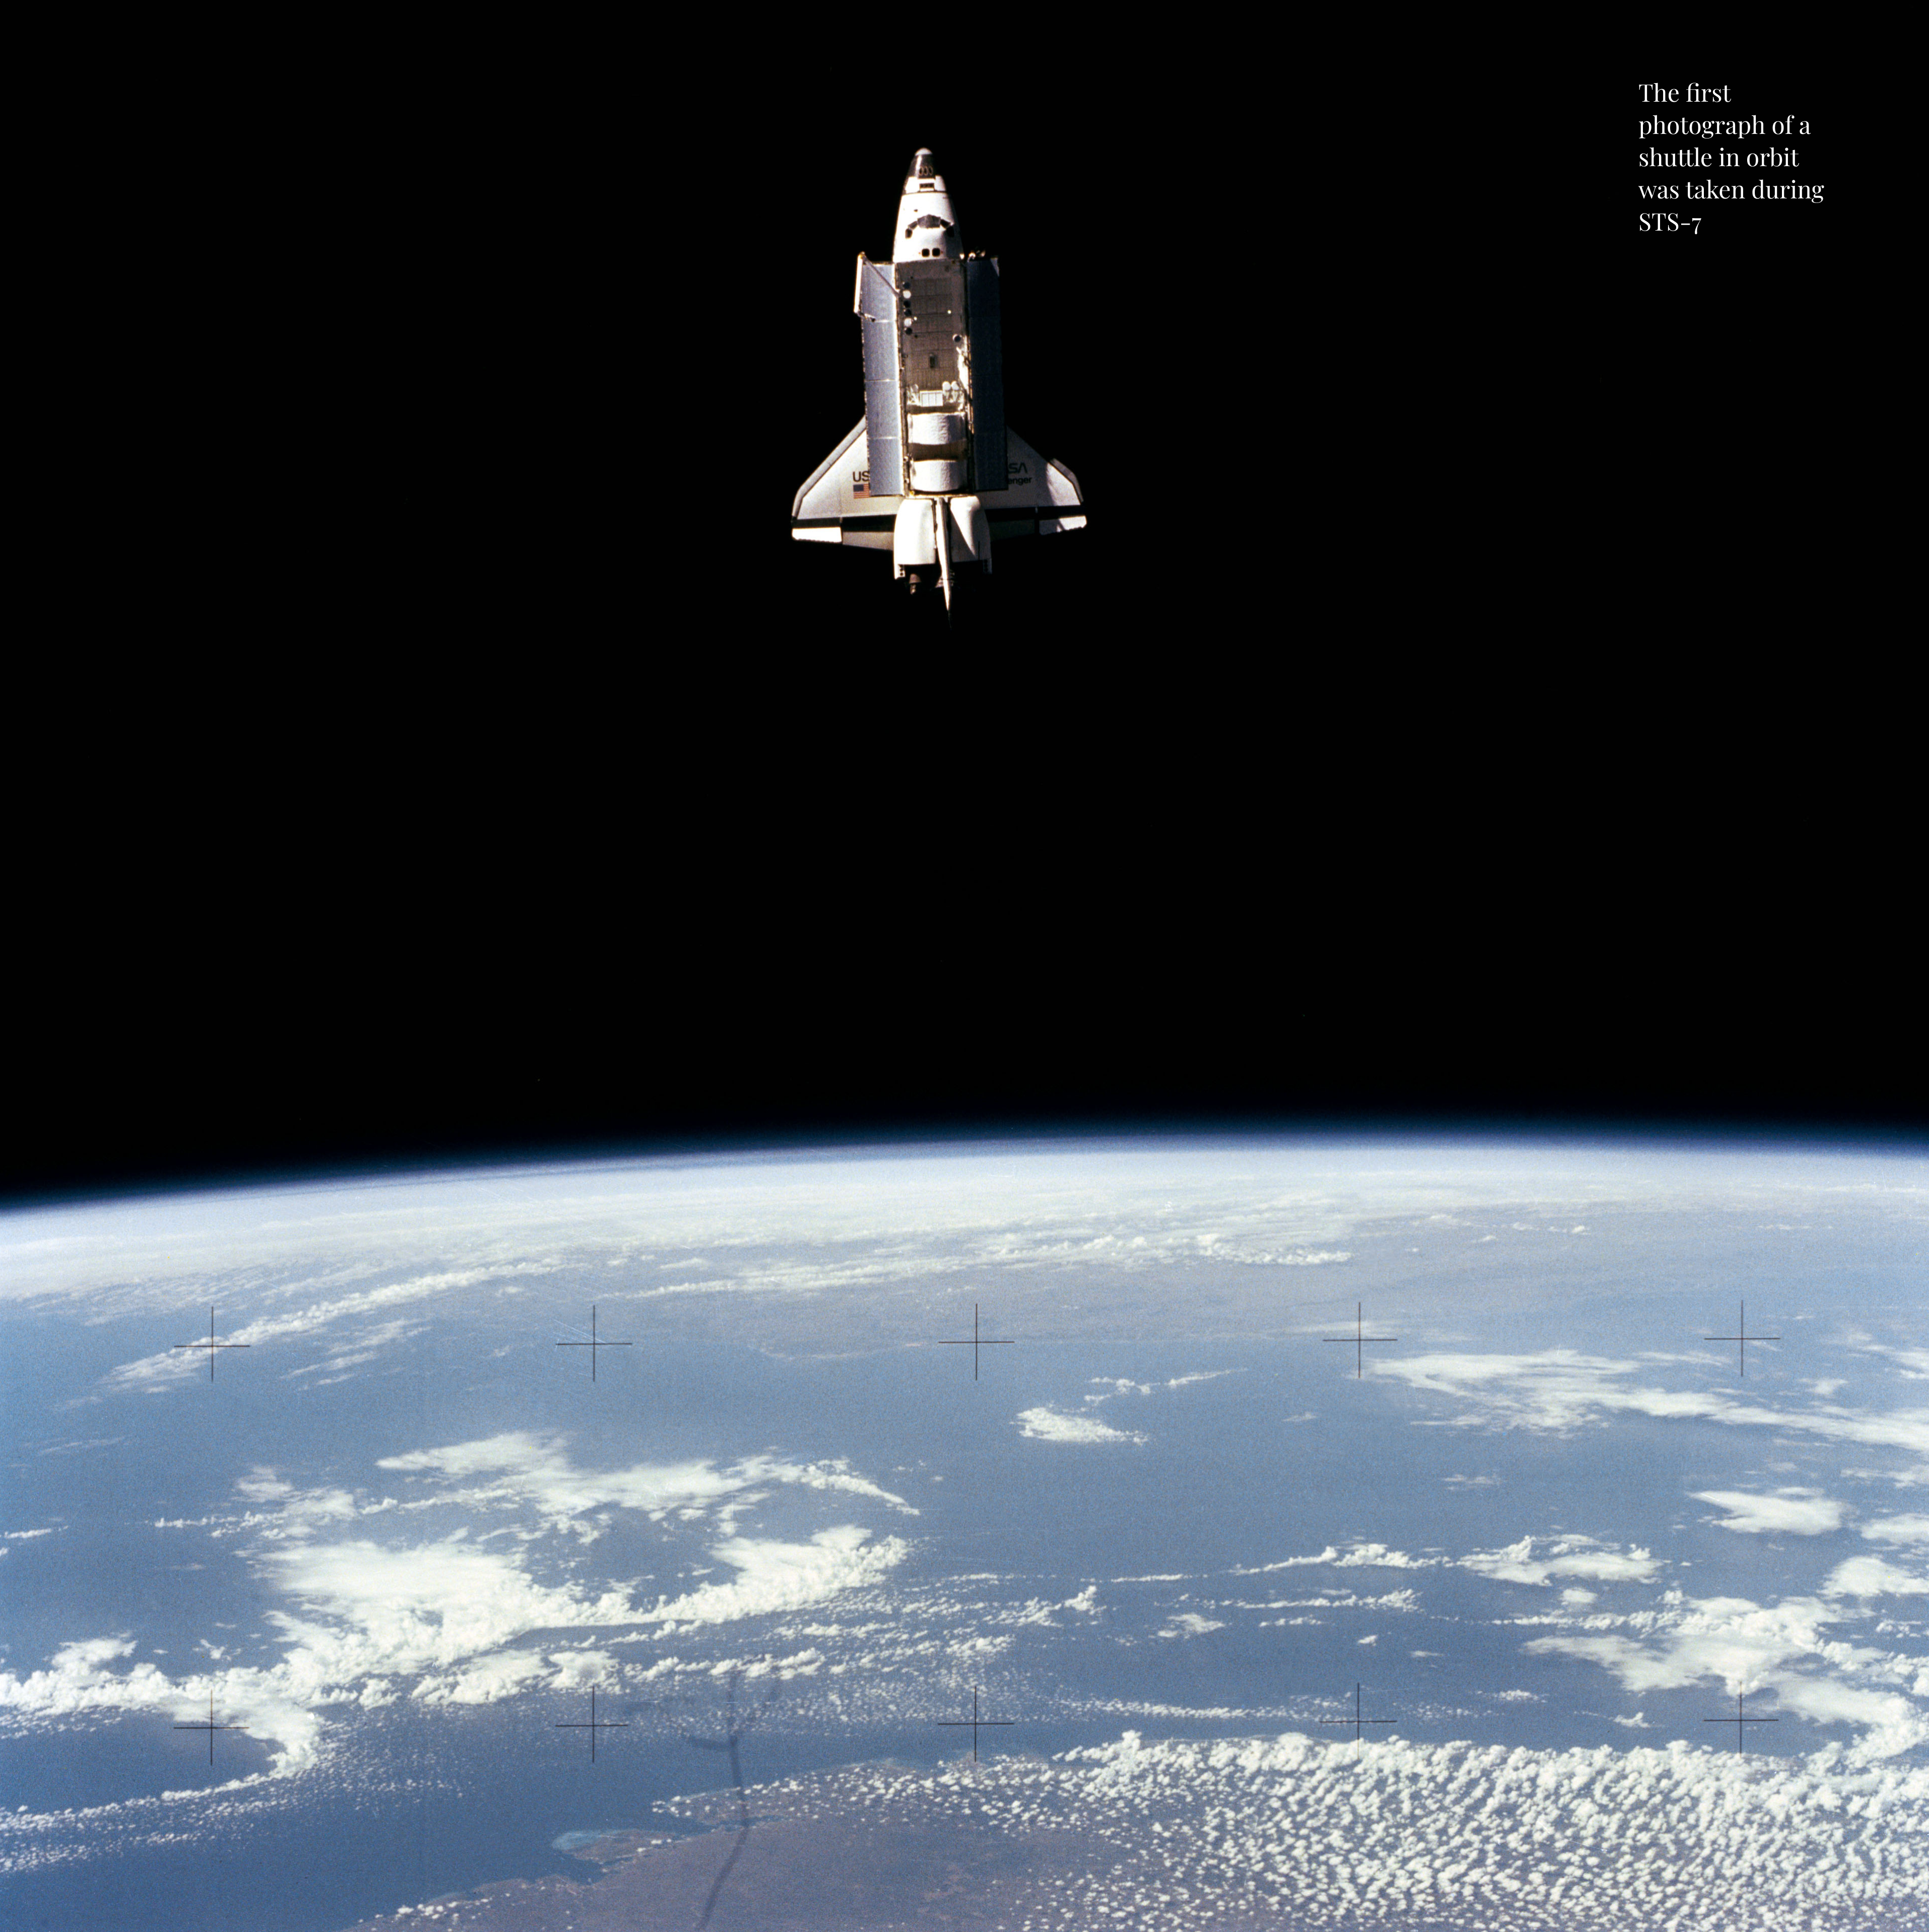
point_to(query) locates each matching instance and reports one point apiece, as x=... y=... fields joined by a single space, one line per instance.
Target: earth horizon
x=1410 y=1531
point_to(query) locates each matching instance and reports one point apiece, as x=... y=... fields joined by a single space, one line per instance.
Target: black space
x=1466 y=707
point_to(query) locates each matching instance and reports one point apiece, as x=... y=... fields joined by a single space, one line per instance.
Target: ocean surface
x=835 y=1535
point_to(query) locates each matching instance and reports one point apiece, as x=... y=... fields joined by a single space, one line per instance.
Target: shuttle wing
x=836 y=505
x=1040 y=498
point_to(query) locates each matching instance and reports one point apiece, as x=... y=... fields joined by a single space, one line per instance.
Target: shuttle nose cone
x=926 y=226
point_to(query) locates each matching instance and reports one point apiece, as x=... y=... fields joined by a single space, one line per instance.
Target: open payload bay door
x=1040 y=498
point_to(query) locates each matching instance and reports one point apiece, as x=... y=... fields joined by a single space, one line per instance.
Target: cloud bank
x=1566 y=1556
x=1048 y=1425
x=446 y=1620
x=1299 y=1832
x=1785 y=1654
x=1792 y=1513
x=1561 y=1389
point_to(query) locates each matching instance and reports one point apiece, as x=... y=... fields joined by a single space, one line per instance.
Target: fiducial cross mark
x=974 y=1721
x=1744 y=1338
x=1356 y=1720
x=211 y=1727
x=1738 y=1721
x=593 y=1344
x=211 y=1345
x=1361 y=1339
x=977 y=1342
x=593 y=1724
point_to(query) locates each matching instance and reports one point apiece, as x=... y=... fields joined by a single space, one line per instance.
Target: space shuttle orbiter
x=932 y=474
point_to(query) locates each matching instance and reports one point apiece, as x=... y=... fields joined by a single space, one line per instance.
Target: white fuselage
x=926 y=226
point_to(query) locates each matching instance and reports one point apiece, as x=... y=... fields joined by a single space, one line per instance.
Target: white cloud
x=78 y=1678
x=88 y=1654
x=352 y=1353
x=484 y=1680
x=394 y=1609
x=520 y=1468
x=1891 y=1724
x=1360 y=1556
x=1567 y=1556
x=1312 y=1833
x=449 y=1613
x=446 y=1614
x=1187 y=1623
x=1562 y=1390
x=1871 y=1576
x=1902 y=1479
x=1048 y=1425
x=1393 y=1600
x=1793 y=1512
x=1891 y=1529
x=1783 y=1654
x=172 y=1366
x=1122 y=1385
x=774 y=1575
